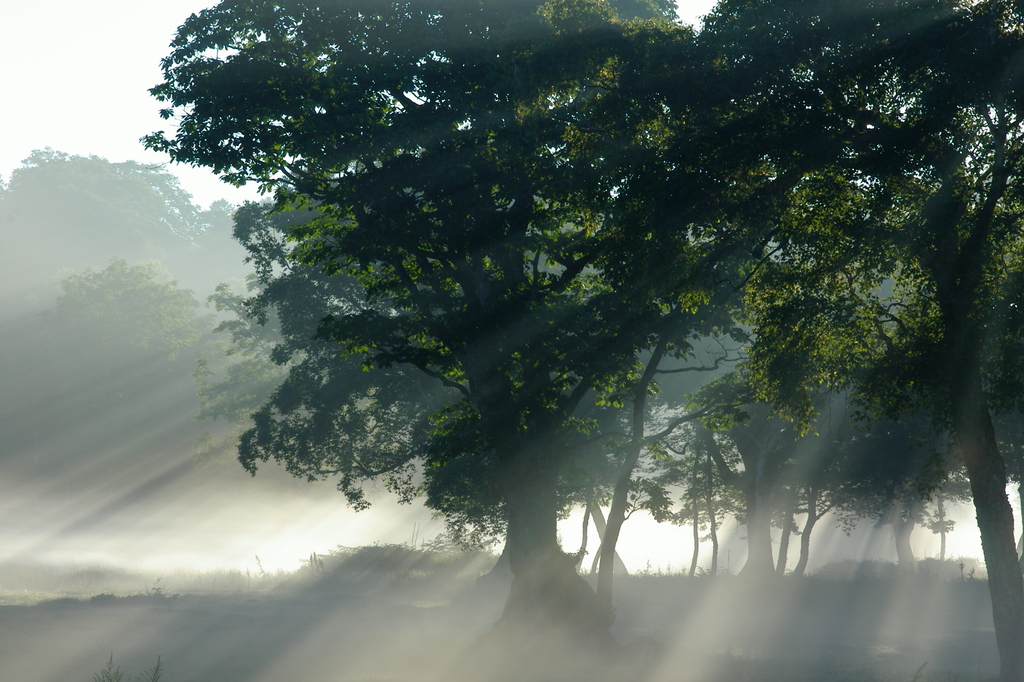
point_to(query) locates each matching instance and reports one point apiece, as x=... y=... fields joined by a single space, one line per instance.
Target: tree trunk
x=788 y=524
x=783 y=559
x=902 y=528
x=620 y=494
x=759 y=523
x=616 y=517
x=714 y=544
x=987 y=473
x=500 y=572
x=696 y=537
x=598 y=515
x=583 y=540
x=940 y=509
x=546 y=591
x=1020 y=543
x=805 y=534
x=709 y=504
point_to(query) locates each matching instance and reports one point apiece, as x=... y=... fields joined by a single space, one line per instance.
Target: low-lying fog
x=391 y=613
x=160 y=561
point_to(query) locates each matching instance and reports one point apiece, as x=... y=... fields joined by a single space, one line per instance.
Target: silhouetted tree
x=464 y=169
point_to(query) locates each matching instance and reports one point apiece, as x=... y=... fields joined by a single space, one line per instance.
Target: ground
x=388 y=614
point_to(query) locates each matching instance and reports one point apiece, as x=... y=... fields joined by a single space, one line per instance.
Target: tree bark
x=583 y=539
x=500 y=572
x=752 y=484
x=759 y=521
x=1020 y=542
x=712 y=521
x=696 y=536
x=616 y=517
x=598 y=515
x=546 y=591
x=783 y=558
x=987 y=472
x=620 y=494
x=788 y=524
x=805 y=536
x=940 y=509
x=902 y=529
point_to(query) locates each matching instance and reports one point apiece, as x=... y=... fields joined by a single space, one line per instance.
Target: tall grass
x=109 y=673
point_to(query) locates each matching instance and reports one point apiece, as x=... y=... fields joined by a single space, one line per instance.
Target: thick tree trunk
x=546 y=592
x=987 y=473
x=500 y=572
x=759 y=543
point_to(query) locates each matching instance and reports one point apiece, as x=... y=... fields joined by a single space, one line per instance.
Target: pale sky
x=75 y=77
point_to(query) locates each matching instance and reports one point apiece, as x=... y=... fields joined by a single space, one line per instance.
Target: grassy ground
x=390 y=613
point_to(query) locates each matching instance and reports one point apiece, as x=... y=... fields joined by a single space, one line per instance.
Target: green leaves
x=886 y=259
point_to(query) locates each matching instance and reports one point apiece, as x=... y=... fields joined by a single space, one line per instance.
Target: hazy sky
x=75 y=77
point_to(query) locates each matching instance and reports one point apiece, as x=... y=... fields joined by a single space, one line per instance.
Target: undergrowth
x=109 y=673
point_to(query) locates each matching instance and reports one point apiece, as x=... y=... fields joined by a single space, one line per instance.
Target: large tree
x=423 y=133
x=527 y=219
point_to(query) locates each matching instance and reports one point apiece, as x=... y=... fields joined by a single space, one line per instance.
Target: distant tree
x=108 y=363
x=123 y=311
x=894 y=468
x=90 y=210
x=238 y=375
x=763 y=445
x=706 y=499
x=822 y=483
